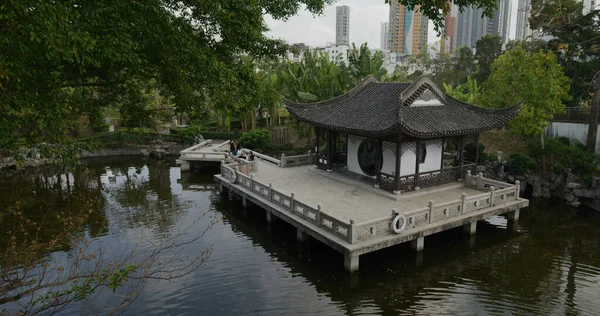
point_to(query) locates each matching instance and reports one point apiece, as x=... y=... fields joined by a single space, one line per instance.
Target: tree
x=488 y=48
x=467 y=92
x=464 y=64
x=57 y=53
x=361 y=64
x=536 y=79
x=576 y=42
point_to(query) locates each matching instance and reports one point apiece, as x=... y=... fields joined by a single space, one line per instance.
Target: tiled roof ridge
x=351 y=93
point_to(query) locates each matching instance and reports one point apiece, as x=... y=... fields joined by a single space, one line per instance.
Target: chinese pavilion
x=399 y=136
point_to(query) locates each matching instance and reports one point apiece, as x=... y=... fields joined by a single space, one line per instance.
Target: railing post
x=293 y=203
x=480 y=181
x=282 y=160
x=270 y=191
x=463 y=204
x=518 y=189
x=319 y=214
x=430 y=210
x=492 y=195
x=251 y=183
x=352 y=232
x=468 y=178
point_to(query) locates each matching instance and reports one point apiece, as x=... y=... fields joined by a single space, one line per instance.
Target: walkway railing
x=262 y=157
x=574 y=115
x=299 y=160
x=426 y=179
x=316 y=216
x=433 y=213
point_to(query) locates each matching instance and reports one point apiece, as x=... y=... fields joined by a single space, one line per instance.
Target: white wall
x=432 y=160
x=576 y=131
x=352 y=156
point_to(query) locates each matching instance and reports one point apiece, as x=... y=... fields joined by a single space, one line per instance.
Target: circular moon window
x=366 y=157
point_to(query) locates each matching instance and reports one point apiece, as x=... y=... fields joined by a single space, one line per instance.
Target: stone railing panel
x=244 y=180
x=373 y=229
x=281 y=199
x=261 y=189
x=307 y=212
x=262 y=157
x=299 y=160
x=440 y=212
x=336 y=227
x=477 y=202
x=505 y=195
x=417 y=218
x=205 y=143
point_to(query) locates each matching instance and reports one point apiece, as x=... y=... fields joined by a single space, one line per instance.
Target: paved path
x=345 y=201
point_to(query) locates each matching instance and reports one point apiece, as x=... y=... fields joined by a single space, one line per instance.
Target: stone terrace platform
x=354 y=218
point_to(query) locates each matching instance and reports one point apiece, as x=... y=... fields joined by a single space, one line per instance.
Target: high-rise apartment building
x=472 y=25
x=448 y=41
x=384 y=36
x=408 y=30
x=342 y=25
x=523 y=31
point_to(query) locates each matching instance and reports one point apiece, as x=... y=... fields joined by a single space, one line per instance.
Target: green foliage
x=574 y=40
x=536 y=79
x=560 y=153
x=189 y=133
x=487 y=48
x=466 y=92
x=520 y=164
x=256 y=138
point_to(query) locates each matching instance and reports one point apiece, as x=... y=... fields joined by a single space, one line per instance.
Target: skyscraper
x=407 y=32
x=342 y=25
x=472 y=25
x=449 y=38
x=384 y=36
x=523 y=11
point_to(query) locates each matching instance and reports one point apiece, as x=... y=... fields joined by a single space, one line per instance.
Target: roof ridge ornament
x=423 y=92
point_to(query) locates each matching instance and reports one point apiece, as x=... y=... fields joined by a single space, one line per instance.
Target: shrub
x=471 y=152
x=256 y=138
x=189 y=133
x=560 y=153
x=519 y=164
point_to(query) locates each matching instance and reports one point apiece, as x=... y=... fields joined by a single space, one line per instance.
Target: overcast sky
x=365 y=24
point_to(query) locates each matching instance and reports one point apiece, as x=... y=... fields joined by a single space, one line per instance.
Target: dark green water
x=549 y=264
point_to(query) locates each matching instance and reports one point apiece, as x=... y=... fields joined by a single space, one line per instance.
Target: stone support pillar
x=351 y=262
x=269 y=217
x=470 y=228
x=244 y=201
x=513 y=216
x=418 y=244
x=301 y=235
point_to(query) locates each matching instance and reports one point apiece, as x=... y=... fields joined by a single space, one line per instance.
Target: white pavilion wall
x=432 y=160
x=352 y=155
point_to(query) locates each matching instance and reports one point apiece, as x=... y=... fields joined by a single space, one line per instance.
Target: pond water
x=548 y=264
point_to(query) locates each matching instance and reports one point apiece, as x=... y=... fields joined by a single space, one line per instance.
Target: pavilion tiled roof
x=380 y=108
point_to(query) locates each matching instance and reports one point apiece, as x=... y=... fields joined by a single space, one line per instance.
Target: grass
x=504 y=141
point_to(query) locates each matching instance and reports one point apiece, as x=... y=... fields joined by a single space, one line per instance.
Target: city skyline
x=365 y=24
